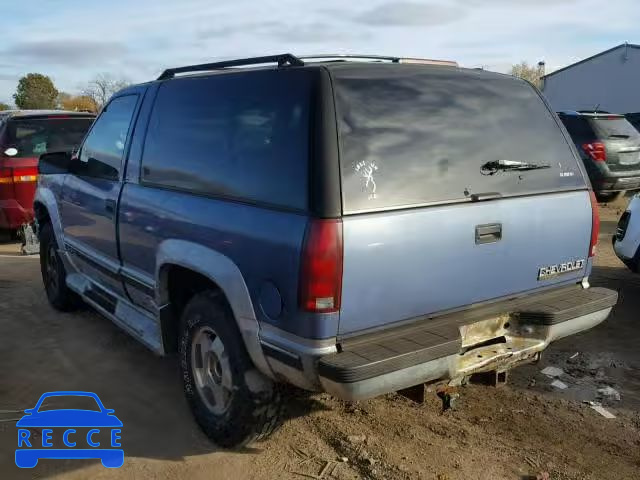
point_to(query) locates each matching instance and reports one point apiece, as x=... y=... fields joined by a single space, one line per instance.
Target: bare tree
x=76 y=103
x=102 y=87
x=528 y=72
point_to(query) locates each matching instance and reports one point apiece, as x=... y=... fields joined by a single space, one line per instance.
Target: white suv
x=626 y=241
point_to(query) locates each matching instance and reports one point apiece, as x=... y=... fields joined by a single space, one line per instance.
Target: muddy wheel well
x=181 y=284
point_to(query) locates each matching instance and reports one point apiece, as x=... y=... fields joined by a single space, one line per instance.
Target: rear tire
x=232 y=402
x=54 y=275
x=608 y=197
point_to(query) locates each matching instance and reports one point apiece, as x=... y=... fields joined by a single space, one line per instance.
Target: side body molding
x=221 y=270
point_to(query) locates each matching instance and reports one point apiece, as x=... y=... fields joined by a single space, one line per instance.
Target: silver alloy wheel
x=211 y=370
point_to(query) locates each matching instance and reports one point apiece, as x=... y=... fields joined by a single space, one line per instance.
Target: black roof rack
x=284 y=59
x=379 y=58
x=340 y=56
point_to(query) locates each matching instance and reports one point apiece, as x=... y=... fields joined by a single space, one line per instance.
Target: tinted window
x=102 y=151
x=238 y=135
x=578 y=127
x=634 y=119
x=614 y=127
x=34 y=136
x=414 y=134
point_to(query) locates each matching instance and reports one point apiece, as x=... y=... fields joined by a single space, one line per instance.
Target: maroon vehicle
x=24 y=136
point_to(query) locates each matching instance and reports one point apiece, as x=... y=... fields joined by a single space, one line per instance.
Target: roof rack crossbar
x=347 y=56
x=284 y=59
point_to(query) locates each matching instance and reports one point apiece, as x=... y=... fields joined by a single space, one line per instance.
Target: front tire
x=233 y=403
x=54 y=275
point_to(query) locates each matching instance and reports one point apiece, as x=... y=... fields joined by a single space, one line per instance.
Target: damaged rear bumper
x=499 y=357
x=497 y=338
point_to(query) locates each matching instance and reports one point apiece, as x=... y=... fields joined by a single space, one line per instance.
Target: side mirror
x=56 y=163
x=11 y=152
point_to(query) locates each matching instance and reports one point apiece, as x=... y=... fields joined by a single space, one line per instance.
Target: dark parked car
x=24 y=136
x=610 y=149
x=354 y=227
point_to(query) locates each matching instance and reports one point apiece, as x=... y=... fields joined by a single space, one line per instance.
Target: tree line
x=531 y=73
x=37 y=91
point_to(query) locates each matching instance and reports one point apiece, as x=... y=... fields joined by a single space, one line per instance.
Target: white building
x=609 y=80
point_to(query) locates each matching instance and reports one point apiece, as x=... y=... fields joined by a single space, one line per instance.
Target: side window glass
x=243 y=136
x=102 y=151
x=577 y=127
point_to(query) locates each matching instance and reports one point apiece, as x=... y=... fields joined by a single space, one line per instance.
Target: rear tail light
x=321 y=274
x=596 y=151
x=25 y=174
x=18 y=175
x=595 y=224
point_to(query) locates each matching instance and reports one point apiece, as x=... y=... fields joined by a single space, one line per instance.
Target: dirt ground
x=512 y=432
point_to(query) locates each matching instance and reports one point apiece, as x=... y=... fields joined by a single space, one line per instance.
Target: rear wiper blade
x=618 y=135
x=495 y=166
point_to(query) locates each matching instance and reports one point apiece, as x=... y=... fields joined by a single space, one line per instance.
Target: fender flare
x=46 y=198
x=222 y=271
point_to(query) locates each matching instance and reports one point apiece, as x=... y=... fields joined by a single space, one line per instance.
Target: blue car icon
x=29 y=451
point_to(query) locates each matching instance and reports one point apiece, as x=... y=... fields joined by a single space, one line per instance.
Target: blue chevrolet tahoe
x=354 y=226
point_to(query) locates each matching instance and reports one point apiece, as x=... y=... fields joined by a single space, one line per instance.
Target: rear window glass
x=634 y=119
x=578 y=127
x=242 y=136
x=614 y=127
x=415 y=135
x=32 y=137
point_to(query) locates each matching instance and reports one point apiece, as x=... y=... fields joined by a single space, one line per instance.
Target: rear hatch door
x=621 y=141
x=458 y=187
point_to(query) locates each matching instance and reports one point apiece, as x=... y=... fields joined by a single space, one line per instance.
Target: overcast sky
x=72 y=40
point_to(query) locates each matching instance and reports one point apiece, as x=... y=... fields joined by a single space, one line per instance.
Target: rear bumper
x=495 y=337
x=626 y=249
x=517 y=350
x=13 y=215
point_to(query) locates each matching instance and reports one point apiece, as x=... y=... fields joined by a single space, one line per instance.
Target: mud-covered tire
x=252 y=408
x=608 y=197
x=54 y=275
